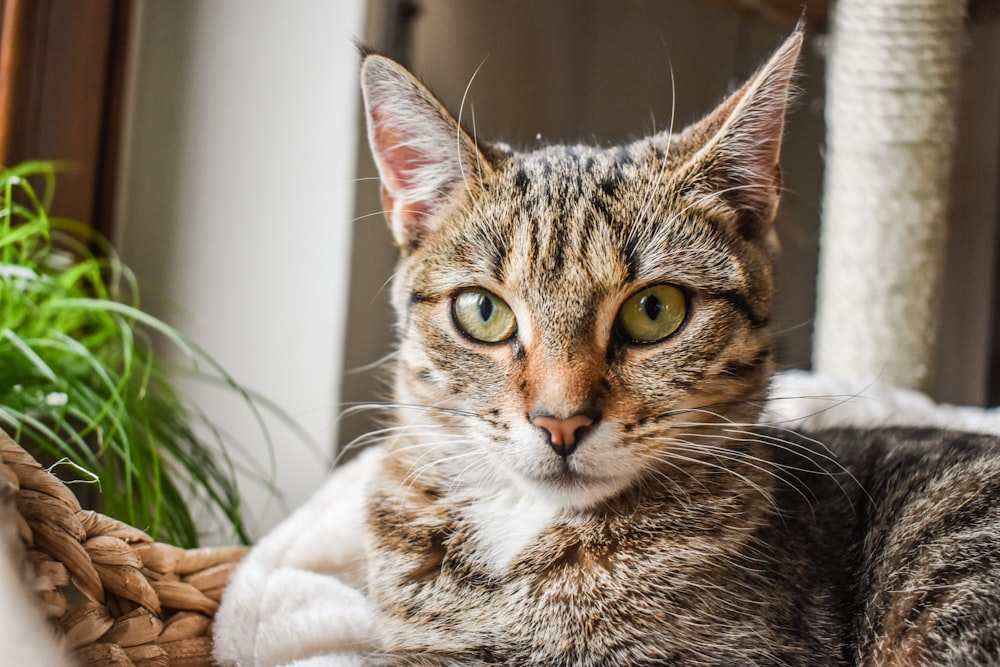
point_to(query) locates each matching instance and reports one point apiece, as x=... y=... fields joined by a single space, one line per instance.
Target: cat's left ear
x=740 y=143
x=426 y=161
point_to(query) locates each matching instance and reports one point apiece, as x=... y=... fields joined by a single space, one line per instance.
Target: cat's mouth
x=573 y=487
x=566 y=476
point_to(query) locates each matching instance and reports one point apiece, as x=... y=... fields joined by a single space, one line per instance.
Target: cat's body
x=896 y=566
x=574 y=476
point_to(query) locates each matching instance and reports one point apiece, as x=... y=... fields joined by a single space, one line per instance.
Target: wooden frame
x=62 y=65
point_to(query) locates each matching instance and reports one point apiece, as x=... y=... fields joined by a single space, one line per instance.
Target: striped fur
x=676 y=531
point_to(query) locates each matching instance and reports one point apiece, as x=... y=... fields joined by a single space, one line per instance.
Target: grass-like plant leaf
x=80 y=379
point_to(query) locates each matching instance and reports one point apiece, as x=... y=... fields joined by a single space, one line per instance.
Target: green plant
x=80 y=381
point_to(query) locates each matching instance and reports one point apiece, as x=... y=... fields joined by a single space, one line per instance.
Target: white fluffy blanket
x=298 y=598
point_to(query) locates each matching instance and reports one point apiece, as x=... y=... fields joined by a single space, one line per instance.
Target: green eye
x=652 y=314
x=484 y=316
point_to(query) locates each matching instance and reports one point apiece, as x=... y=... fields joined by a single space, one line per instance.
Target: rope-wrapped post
x=892 y=83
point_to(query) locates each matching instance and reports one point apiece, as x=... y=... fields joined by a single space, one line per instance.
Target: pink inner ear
x=400 y=166
x=408 y=215
x=397 y=160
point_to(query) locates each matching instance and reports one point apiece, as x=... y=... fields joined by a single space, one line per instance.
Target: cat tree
x=892 y=83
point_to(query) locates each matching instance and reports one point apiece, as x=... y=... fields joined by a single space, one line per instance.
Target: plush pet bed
x=298 y=598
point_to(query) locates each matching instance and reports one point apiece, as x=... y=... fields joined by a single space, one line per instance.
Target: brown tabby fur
x=677 y=532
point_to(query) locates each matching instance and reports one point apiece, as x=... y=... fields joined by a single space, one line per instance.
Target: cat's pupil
x=652 y=306
x=485 y=308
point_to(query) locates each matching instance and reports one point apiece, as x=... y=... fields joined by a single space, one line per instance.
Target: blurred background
x=219 y=144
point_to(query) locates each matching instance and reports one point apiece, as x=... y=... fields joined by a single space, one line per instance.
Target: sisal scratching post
x=892 y=83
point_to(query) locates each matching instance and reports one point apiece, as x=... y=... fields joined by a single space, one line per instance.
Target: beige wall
x=236 y=199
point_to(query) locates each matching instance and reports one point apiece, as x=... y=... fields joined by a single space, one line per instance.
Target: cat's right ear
x=424 y=158
x=740 y=143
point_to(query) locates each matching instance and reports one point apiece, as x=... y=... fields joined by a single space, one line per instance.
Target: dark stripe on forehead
x=632 y=258
x=533 y=245
x=555 y=259
x=497 y=255
x=609 y=186
x=522 y=181
x=601 y=208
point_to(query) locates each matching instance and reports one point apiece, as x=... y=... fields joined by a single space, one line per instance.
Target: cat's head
x=568 y=314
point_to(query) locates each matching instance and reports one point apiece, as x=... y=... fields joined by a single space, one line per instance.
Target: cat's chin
x=571 y=490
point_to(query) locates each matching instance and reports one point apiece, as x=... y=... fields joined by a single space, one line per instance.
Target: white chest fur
x=505 y=523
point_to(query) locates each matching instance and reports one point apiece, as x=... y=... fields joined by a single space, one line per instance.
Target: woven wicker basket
x=116 y=596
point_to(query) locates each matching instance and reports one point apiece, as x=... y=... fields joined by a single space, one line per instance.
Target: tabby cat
x=575 y=477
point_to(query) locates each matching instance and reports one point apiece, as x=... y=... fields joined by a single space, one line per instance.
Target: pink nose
x=562 y=432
